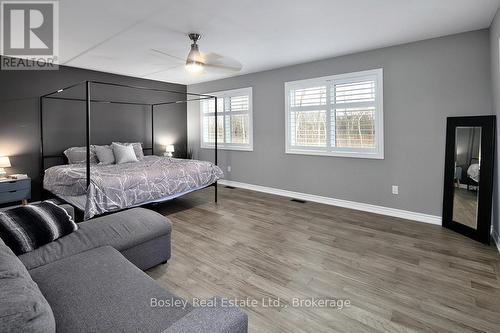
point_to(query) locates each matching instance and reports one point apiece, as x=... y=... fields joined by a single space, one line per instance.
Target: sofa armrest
x=212 y=320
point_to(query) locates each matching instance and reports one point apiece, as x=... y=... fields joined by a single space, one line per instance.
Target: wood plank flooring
x=400 y=276
x=465 y=207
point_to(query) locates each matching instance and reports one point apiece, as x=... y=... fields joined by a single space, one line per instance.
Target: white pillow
x=124 y=154
x=105 y=154
x=77 y=155
x=137 y=148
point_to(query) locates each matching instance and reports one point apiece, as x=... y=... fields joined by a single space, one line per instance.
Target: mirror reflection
x=467 y=167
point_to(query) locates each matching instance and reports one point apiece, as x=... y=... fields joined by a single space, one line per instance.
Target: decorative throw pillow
x=26 y=228
x=105 y=154
x=137 y=148
x=124 y=154
x=78 y=155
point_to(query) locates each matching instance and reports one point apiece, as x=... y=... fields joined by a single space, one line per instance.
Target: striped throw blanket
x=26 y=228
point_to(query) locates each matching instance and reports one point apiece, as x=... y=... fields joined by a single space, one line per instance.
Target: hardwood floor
x=465 y=207
x=400 y=276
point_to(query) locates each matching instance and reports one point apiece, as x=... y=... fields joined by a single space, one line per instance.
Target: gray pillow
x=124 y=154
x=78 y=155
x=105 y=154
x=22 y=305
x=137 y=148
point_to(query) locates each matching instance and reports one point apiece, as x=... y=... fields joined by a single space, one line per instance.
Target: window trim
x=377 y=153
x=230 y=146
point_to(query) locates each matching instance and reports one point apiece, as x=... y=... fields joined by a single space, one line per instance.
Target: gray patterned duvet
x=119 y=186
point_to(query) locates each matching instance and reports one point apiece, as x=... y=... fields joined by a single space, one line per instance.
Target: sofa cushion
x=220 y=318
x=22 y=306
x=28 y=227
x=100 y=291
x=122 y=230
x=149 y=254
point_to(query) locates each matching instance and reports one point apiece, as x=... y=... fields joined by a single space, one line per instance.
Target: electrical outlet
x=228 y=168
x=395 y=189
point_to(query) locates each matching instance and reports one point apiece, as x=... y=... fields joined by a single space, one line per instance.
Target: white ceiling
x=117 y=35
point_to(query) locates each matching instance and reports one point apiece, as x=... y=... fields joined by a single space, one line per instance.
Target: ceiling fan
x=197 y=62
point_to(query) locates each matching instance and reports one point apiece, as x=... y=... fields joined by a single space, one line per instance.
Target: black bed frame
x=88 y=102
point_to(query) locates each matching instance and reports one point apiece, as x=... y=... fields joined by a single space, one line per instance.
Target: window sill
x=372 y=156
x=229 y=148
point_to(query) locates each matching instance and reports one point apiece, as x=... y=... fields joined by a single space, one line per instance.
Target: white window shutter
x=339 y=115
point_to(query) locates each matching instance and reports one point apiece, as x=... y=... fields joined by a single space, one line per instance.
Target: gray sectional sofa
x=92 y=281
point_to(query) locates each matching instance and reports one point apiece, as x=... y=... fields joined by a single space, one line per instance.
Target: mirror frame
x=485 y=193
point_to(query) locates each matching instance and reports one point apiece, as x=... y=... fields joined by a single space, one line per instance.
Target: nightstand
x=12 y=190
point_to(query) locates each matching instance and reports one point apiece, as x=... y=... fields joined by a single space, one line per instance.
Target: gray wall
x=424 y=83
x=20 y=126
x=495 y=83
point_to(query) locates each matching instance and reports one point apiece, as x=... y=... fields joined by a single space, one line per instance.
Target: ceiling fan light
x=194 y=53
x=194 y=62
x=194 y=66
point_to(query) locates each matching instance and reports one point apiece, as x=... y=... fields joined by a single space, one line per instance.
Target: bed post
x=152 y=129
x=216 y=132
x=87 y=130
x=42 y=160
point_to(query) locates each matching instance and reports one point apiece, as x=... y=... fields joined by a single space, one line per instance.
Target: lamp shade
x=170 y=148
x=4 y=162
x=194 y=61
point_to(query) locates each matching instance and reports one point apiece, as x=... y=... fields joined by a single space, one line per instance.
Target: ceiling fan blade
x=211 y=57
x=229 y=68
x=219 y=61
x=168 y=55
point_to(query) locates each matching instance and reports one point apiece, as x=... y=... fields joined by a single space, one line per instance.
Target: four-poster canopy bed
x=97 y=189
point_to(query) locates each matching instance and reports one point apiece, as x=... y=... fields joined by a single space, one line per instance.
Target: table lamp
x=4 y=163
x=169 y=150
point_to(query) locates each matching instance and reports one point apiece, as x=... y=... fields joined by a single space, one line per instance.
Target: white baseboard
x=496 y=239
x=404 y=214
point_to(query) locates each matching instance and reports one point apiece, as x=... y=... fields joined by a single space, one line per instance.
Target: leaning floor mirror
x=468 y=183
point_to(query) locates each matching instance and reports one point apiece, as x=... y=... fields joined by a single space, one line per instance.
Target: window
x=234 y=120
x=339 y=115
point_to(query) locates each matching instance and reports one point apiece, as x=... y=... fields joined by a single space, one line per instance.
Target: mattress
x=119 y=186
